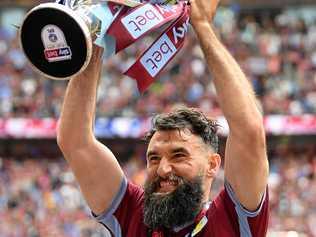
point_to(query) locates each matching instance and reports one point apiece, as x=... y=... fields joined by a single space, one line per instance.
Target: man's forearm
x=89 y=159
x=76 y=122
x=235 y=94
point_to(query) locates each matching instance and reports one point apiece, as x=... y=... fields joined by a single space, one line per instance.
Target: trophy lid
x=56 y=41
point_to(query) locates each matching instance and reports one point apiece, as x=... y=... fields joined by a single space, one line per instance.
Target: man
x=182 y=157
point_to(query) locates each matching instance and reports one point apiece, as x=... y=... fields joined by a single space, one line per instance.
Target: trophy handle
x=56 y=41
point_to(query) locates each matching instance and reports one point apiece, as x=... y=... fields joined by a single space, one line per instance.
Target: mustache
x=155 y=184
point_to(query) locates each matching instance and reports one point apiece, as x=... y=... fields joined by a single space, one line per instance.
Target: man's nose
x=164 y=168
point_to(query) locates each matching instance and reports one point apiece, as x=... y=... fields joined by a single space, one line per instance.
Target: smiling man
x=182 y=158
x=182 y=162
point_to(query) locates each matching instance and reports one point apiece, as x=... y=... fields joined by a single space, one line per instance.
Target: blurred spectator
x=41 y=198
x=292 y=186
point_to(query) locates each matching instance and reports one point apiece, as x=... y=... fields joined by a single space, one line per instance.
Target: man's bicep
x=246 y=169
x=98 y=174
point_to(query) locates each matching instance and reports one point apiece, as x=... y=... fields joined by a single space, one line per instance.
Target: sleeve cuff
x=237 y=203
x=114 y=205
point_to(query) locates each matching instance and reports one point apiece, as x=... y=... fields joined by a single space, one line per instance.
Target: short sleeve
x=126 y=204
x=251 y=223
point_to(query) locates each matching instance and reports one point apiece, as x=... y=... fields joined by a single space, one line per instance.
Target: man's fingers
x=203 y=9
x=213 y=8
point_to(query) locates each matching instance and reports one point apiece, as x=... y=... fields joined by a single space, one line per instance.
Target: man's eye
x=179 y=155
x=153 y=158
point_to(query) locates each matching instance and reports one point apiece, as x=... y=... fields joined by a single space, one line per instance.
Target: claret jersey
x=225 y=216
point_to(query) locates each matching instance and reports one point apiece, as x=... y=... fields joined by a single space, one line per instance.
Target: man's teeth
x=169 y=182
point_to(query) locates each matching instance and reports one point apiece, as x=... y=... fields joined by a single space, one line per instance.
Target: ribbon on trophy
x=141 y=20
x=123 y=22
x=159 y=54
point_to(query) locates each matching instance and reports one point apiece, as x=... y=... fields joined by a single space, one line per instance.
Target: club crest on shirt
x=55 y=44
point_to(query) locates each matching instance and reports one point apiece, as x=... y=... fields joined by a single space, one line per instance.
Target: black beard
x=174 y=209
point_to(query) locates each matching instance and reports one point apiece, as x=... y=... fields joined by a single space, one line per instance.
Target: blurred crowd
x=277 y=52
x=41 y=197
x=292 y=186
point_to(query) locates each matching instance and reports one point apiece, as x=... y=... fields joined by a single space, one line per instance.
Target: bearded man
x=182 y=158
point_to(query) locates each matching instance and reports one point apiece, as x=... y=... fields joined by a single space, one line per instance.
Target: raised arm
x=95 y=167
x=246 y=164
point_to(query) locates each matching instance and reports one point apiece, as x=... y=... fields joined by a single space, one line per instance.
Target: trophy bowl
x=57 y=40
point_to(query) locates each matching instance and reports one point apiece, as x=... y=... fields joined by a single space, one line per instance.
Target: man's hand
x=203 y=10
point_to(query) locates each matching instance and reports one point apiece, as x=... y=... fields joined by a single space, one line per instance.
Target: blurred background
x=274 y=42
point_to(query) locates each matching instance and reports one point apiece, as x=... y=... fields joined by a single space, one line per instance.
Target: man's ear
x=214 y=163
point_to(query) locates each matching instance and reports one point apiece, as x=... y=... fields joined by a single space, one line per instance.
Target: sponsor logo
x=141 y=20
x=158 y=55
x=53 y=55
x=55 y=44
x=179 y=32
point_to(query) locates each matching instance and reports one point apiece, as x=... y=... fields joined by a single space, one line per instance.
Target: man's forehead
x=183 y=137
x=168 y=135
x=174 y=142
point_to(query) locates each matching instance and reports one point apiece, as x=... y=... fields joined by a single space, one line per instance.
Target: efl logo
x=55 y=44
x=54 y=55
x=141 y=20
x=158 y=55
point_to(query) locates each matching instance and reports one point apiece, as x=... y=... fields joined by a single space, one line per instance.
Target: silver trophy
x=57 y=39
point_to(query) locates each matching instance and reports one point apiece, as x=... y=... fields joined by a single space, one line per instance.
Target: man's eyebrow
x=174 y=150
x=180 y=150
x=151 y=153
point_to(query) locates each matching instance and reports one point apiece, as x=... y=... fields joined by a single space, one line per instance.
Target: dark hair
x=189 y=118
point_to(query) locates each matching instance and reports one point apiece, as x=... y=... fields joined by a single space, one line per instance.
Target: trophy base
x=56 y=41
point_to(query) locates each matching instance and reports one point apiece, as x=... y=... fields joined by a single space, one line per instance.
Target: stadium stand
x=277 y=50
x=277 y=53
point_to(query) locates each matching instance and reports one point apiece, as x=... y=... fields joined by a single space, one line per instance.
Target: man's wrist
x=200 y=26
x=203 y=28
